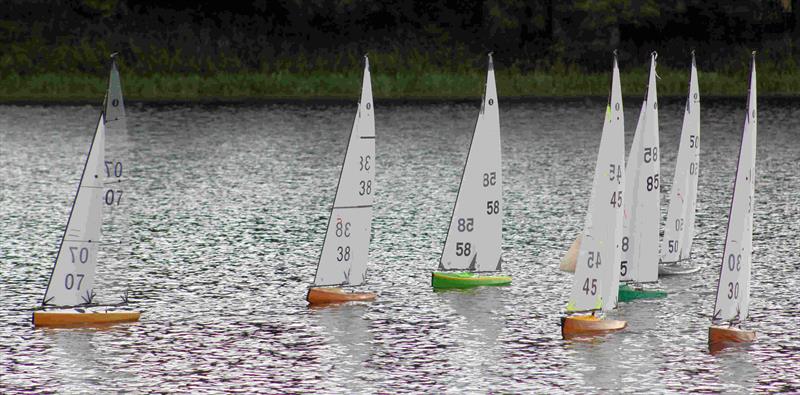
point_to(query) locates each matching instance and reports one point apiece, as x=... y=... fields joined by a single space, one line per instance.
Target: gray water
x=227 y=219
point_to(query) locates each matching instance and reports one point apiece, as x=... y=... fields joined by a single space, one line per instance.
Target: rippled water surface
x=227 y=217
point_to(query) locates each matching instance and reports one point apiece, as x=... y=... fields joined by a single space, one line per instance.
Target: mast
x=474 y=238
x=345 y=250
x=679 y=228
x=733 y=287
x=596 y=278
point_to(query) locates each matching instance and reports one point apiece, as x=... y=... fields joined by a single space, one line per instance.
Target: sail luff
x=345 y=250
x=733 y=286
x=474 y=235
x=597 y=270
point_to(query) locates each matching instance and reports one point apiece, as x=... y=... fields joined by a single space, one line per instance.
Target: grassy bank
x=447 y=85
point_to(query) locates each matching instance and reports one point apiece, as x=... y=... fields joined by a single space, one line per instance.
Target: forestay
x=679 y=229
x=596 y=279
x=475 y=235
x=642 y=209
x=733 y=288
x=343 y=260
x=72 y=279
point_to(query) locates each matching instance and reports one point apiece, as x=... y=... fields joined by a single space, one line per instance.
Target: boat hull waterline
x=587 y=325
x=320 y=296
x=720 y=335
x=628 y=293
x=446 y=280
x=75 y=317
x=677 y=268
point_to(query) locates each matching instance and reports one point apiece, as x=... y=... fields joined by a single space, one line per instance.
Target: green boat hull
x=446 y=280
x=628 y=293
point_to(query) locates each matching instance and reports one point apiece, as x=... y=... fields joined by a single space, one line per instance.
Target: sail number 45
x=590 y=288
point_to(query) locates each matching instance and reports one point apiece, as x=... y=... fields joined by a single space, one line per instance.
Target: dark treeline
x=166 y=37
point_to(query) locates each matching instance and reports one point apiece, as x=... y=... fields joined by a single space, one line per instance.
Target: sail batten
x=733 y=287
x=476 y=221
x=596 y=280
x=345 y=251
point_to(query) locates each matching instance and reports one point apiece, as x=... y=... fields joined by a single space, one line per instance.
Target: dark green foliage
x=421 y=47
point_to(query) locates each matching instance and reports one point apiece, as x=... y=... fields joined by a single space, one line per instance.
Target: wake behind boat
x=345 y=251
x=69 y=298
x=474 y=239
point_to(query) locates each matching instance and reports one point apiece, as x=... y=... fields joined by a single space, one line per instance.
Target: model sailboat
x=345 y=251
x=733 y=289
x=639 y=264
x=474 y=239
x=679 y=229
x=596 y=278
x=69 y=299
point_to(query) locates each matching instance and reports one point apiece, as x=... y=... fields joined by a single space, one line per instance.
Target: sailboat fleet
x=616 y=257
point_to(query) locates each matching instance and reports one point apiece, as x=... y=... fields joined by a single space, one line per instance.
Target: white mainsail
x=733 y=288
x=343 y=260
x=679 y=229
x=631 y=190
x=72 y=279
x=596 y=279
x=642 y=209
x=475 y=236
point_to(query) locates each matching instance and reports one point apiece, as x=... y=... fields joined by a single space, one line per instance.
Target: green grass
x=772 y=81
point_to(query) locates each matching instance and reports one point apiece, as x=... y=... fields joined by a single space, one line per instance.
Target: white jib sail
x=345 y=252
x=679 y=229
x=596 y=279
x=733 y=289
x=645 y=213
x=72 y=279
x=475 y=236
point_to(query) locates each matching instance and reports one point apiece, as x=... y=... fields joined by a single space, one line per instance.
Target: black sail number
x=616 y=199
x=650 y=154
x=652 y=182
x=466 y=224
x=735 y=262
x=463 y=249
x=113 y=169
x=489 y=179
x=623 y=268
x=343 y=253
x=594 y=259
x=590 y=287
x=615 y=172
x=69 y=280
x=733 y=290
x=113 y=197
x=365 y=187
x=493 y=207
x=694 y=141
x=342 y=228
x=364 y=163
x=81 y=253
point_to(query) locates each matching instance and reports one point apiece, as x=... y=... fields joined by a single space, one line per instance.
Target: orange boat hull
x=588 y=325
x=318 y=296
x=718 y=335
x=74 y=318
